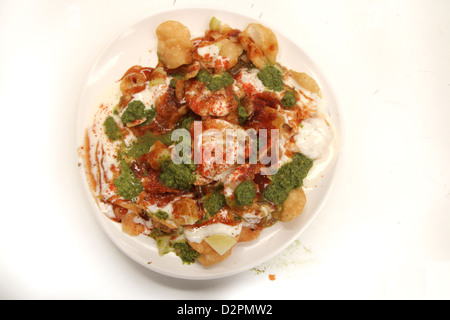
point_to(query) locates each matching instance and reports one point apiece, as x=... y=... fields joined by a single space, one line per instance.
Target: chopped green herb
x=178 y=176
x=185 y=252
x=127 y=184
x=203 y=76
x=166 y=138
x=186 y=122
x=245 y=193
x=149 y=115
x=214 y=203
x=161 y=215
x=289 y=177
x=288 y=100
x=175 y=78
x=136 y=111
x=242 y=115
x=215 y=82
x=111 y=129
x=272 y=78
x=141 y=146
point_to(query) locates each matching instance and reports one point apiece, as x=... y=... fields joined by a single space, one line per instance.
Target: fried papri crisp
x=260 y=43
x=174 y=44
x=292 y=207
x=208 y=256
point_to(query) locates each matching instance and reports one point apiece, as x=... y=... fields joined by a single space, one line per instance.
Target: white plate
x=137 y=46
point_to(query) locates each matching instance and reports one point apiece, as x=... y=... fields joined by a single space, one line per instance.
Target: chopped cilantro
x=185 y=252
x=175 y=78
x=181 y=248
x=214 y=203
x=178 y=176
x=245 y=193
x=136 y=111
x=141 y=146
x=149 y=115
x=186 y=122
x=111 y=129
x=242 y=115
x=166 y=138
x=161 y=215
x=127 y=184
x=288 y=100
x=289 y=177
x=272 y=78
x=203 y=76
x=215 y=82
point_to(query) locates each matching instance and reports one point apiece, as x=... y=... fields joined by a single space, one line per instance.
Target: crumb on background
x=294 y=260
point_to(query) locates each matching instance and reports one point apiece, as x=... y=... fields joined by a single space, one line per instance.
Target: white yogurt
x=249 y=77
x=211 y=50
x=149 y=95
x=198 y=234
x=314 y=138
x=211 y=53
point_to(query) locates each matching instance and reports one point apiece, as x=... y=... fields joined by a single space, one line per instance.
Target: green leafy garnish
x=215 y=82
x=185 y=252
x=214 y=203
x=186 y=122
x=127 y=184
x=178 y=176
x=289 y=177
x=141 y=146
x=242 y=115
x=288 y=100
x=272 y=78
x=136 y=111
x=175 y=78
x=161 y=215
x=111 y=129
x=245 y=193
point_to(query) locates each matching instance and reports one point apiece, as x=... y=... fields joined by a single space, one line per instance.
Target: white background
x=384 y=232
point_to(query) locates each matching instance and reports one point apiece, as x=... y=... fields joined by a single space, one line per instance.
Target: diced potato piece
x=158 y=76
x=221 y=243
x=214 y=24
x=217 y=25
x=163 y=244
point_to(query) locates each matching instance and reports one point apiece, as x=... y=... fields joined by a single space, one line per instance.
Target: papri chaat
x=210 y=146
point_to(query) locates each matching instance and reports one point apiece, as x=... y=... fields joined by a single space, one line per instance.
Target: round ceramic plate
x=137 y=46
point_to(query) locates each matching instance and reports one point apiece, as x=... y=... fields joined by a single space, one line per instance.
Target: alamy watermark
x=229 y=146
